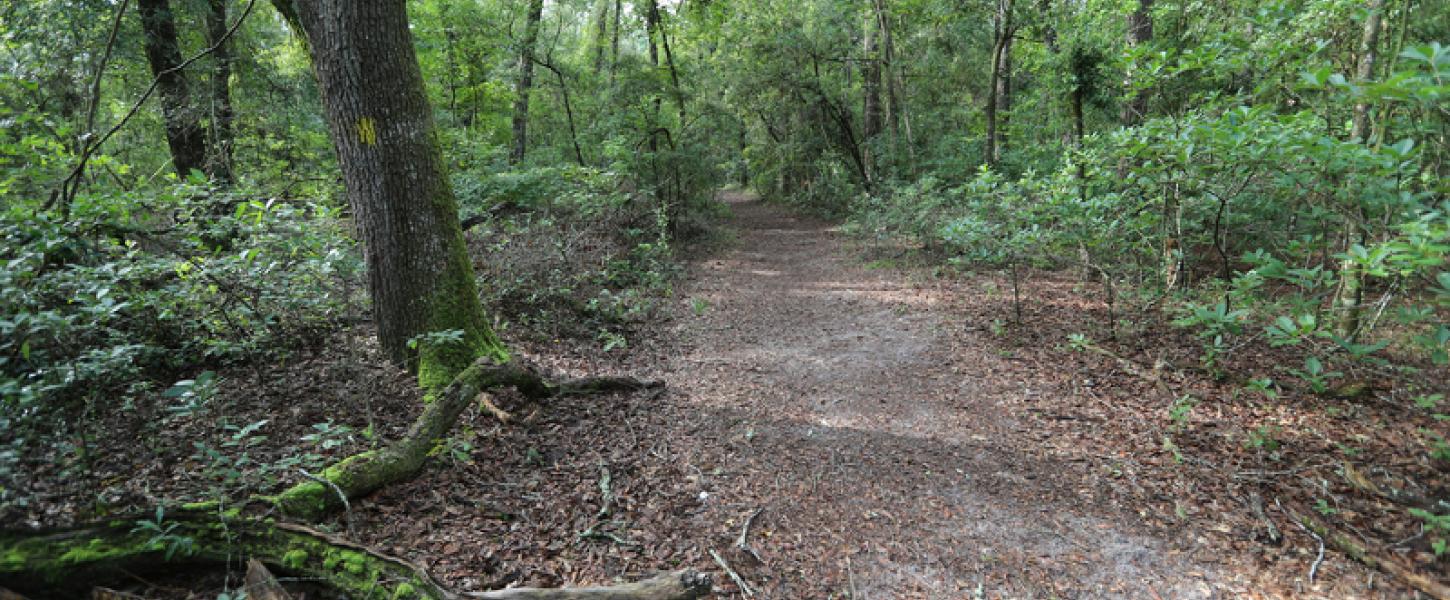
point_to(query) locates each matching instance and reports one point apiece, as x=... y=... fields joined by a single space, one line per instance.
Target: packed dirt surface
x=867 y=427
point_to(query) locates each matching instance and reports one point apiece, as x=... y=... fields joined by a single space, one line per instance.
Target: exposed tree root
x=367 y=472
x=68 y=563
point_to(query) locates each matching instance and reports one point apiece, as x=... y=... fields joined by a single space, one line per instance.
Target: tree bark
x=1004 y=95
x=184 y=134
x=419 y=272
x=888 y=70
x=614 y=41
x=601 y=29
x=1350 y=296
x=1001 y=31
x=525 y=82
x=871 y=117
x=1140 y=31
x=219 y=159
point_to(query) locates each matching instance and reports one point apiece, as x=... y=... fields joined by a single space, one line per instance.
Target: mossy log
x=364 y=473
x=69 y=563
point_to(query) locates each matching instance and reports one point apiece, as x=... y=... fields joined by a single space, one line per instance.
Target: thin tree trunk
x=1004 y=95
x=219 y=162
x=568 y=109
x=871 y=118
x=1002 y=27
x=888 y=64
x=614 y=41
x=525 y=82
x=1350 y=296
x=184 y=134
x=669 y=60
x=419 y=272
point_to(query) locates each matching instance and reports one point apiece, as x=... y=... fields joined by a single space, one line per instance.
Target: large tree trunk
x=419 y=272
x=219 y=159
x=1140 y=31
x=1350 y=296
x=184 y=134
x=525 y=82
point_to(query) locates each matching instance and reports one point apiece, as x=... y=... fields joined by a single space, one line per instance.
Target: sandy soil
x=866 y=424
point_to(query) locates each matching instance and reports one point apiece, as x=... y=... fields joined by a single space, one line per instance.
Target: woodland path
x=869 y=425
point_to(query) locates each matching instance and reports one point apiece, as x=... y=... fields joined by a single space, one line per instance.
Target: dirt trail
x=852 y=407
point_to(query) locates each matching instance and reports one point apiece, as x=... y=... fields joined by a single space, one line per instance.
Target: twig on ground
x=851 y=580
x=739 y=581
x=743 y=542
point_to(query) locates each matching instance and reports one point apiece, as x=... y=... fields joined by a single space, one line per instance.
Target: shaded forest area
x=399 y=298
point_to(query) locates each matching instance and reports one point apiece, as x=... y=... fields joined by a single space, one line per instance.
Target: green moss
x=354 y=562
x=404 y=591
x=295 y=559
x=454 y=305
x=97 y=550
x=13 y=559
x=330 y=561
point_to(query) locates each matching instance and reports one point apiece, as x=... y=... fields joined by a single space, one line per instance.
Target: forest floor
x=881 y=431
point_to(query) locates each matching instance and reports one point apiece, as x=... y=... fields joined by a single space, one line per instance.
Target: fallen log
x=362 y=474
x=68 y=563
x=679 y=585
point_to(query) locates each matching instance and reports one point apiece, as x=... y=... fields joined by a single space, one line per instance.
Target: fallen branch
x=68 y=563
x=362 y=474
x=739 y=581
x=679 y=585
x=1363 y=555
x=742 y=543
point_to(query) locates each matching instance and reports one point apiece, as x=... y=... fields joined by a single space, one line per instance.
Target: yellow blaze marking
x=366 y=132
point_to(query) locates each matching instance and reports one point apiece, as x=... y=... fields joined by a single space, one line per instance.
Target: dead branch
x=1365 y=556
x=739 y=581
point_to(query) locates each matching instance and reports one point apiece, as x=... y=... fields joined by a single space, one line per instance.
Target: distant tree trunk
x=871 y=121
x=601 y=29
x=219 y=162
x=614 y=41
x=419 y=272
x=184 y=134
x=1140 y=31
x=888 y=65
x=525 y=82
x=679 y=91
x=1350 y=296
x=1001 y=31
x=1004 y=95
